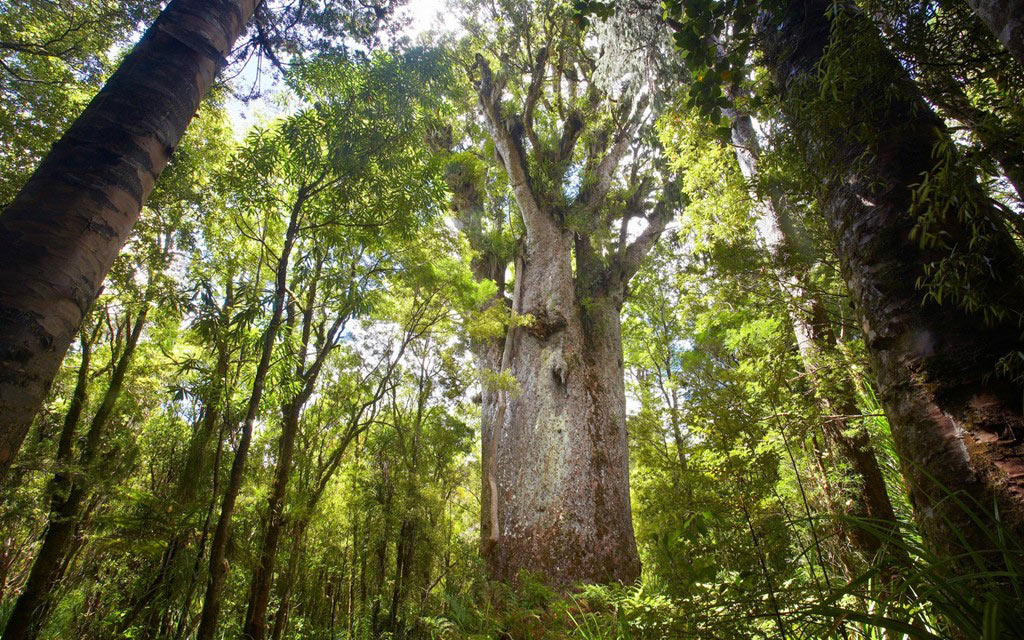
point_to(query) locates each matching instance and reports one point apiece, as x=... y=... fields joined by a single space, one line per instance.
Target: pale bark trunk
x=561 y=460
x=1006 y=20
x=554 y=450
x=61 y=233
x=557 y=461
x=956 y=424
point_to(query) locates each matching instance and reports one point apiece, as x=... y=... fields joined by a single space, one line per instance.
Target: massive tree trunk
x=557 y=468
x=61 y=233
x=956 y=421
x=868 y=496
x=560 y=456
x=1006 y=20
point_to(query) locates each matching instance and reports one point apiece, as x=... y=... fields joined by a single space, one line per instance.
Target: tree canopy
x=627 y=319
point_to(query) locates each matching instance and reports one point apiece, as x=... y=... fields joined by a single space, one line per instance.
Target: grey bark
x=1006 y=20
x=558 y=467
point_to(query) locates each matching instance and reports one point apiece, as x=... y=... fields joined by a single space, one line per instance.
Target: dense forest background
x=639 y=319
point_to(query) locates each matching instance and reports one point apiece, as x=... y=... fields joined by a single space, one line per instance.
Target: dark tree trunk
x=61 y=233
x=184 y=621
x=288 y=582
x=259 y=592
x=956 y=422
x=158 y=592
x=71 y=495
x=816 y=340
x=403 y=563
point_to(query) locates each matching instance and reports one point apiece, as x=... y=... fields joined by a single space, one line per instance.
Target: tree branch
x=508 y=146
x=592 y=198
x=627 y=260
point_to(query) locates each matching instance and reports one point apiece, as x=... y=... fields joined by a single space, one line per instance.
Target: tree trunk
x=560 y=458
x=956 y=421
x=815 y=339
x=403 y=562
x=285 y=590
x=218 y=547
x=1006 y=20
x=259 y=592
x=184 y=623
x=61 y=233
x=70 y=496
x=557 y=462
x=157 y=594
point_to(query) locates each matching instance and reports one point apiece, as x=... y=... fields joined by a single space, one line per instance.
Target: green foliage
x=741 y=507
x=53 y=57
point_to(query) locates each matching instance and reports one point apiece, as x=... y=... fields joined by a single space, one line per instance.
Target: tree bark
x=561 y=459
x=956 y=422
x=1006 y=20
x=61 y=233
x=557 y=461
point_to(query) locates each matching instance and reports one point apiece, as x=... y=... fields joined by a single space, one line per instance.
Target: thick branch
x=628 y=260
x=533 y=95
x=592 y=198
x=510 y=151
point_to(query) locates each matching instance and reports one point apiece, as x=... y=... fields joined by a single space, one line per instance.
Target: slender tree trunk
x=404 y=548
x=956 y=421
x=156 y=596
x=259 y=592
x=287 y=584
x=70 y=497
x=1006 y=20
x=61 y=233
x=184 y=622
x=815 y=339
x=218 y=547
